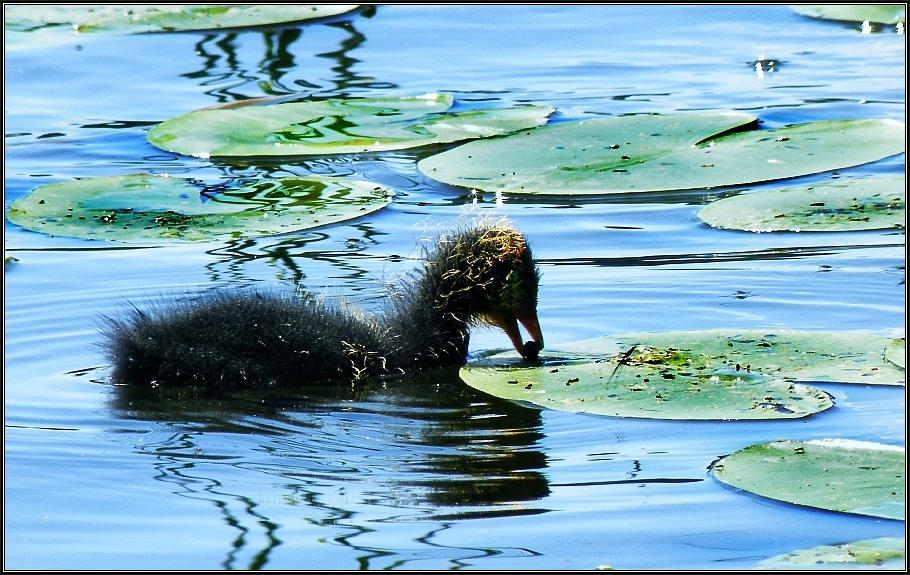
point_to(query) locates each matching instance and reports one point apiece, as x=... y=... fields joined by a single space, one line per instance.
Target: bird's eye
x=512 y=291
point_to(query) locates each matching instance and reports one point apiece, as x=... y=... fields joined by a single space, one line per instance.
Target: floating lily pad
x=884 y=553
x=713 y=374
x=811 y=356
x=896 y=352
x=878 y=13
x=636 y=387
x=642 y=153
x=840 y=205
x=335 y=126
x=839 y=475
x=133 y=18
x=144 y=207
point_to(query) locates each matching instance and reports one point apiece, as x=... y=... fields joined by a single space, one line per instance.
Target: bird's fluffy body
x=482 y=274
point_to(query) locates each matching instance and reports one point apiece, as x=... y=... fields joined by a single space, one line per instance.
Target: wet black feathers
x=260 y=339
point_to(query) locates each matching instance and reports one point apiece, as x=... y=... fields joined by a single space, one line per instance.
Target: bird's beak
x=508 y=322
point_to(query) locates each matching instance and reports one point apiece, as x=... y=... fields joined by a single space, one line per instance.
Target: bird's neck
x=428 y=326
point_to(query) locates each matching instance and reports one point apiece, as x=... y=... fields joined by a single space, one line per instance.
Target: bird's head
x=489 y=276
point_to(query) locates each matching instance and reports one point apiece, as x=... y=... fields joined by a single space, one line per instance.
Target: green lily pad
x=128 y=19
x=621 y=387
x=810 y=356
x=144 y=207
x=643 y=153
x=839 y=475
x=335 y=126
x=840 y=205
x=884 y=553
x=896 y=352
x=713 y=374
x=878 y=13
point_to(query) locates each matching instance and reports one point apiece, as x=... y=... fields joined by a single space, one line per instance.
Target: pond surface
x=424 y=472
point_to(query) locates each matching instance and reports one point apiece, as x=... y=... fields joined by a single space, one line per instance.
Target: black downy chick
x=483 y=274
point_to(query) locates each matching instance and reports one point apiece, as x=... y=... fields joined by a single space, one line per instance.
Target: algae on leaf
x=713 y=374
x=883 y=553
x=152 y=208
x=335 y=126
x=650 y=153
x=896 y=352
x=839 y=475
x=812 y=356
x=838 y=205
x=641 y=389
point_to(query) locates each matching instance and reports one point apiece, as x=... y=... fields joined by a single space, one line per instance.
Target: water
x=425 y=473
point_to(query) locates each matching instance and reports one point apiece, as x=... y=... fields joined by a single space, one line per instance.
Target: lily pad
x=896 y=352
x=335 y=126
x=144 y=207
x=884 y=552
x=839 y=475
x=133 y=18
x=624 y=387
x=811 y=356
x=713 y=374
x=840 y=205
x=878 y=13
x=642 y=153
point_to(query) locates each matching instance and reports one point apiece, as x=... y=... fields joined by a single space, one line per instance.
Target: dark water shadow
x=445 y=451
x=773 y=254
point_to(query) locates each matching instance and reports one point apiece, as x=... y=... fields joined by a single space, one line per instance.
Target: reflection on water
x=347 y=78
x=425 y=447
x=232 y=80
x=292 y=255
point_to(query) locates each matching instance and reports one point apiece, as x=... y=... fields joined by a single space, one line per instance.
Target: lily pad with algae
x=835 y=474
x=896 y=352
x=135 y=18
x=878 y=13
x=645 y=380
x=152 y=208
x=809 y=356
x=839 y=205
x=649 y=153
x=608 y=387
x=883 y=553
x=713 y=374
x=335 y=126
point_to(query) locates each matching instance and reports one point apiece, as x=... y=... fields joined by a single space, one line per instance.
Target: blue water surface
x=424 y=472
